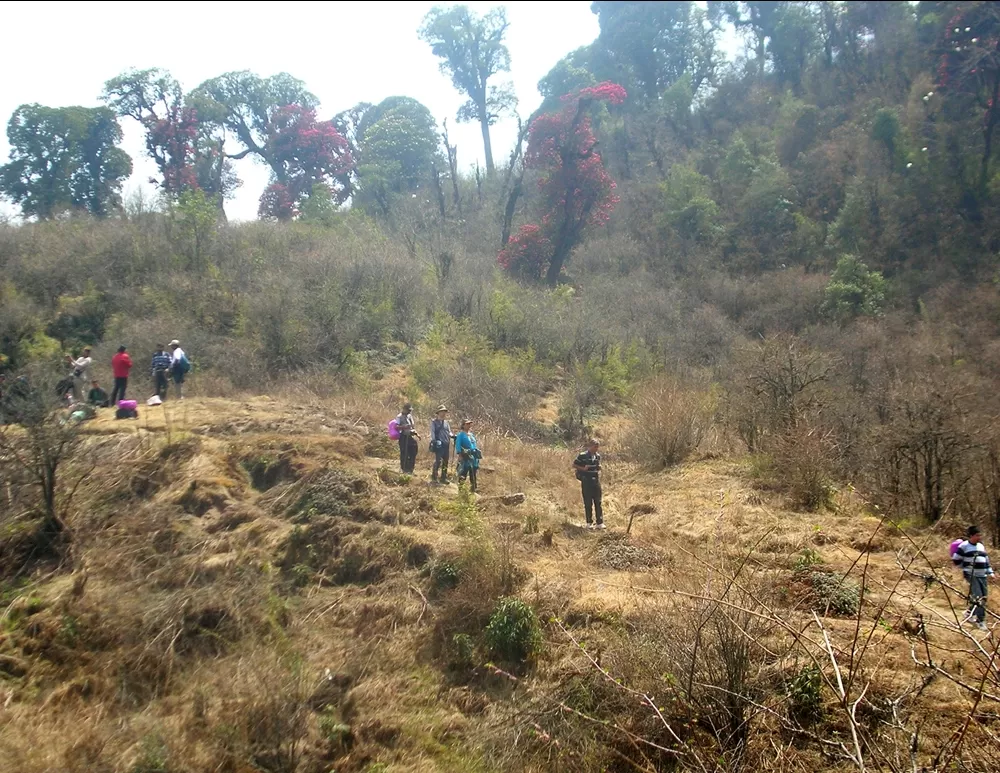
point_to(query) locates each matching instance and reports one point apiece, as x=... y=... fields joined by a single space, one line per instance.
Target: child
x=971 y=556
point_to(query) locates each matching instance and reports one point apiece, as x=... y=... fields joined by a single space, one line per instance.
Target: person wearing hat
x=441 y=437
x=81 y=373
x=407 y=439
x=588 y=471
x=179 y=366
x=971 y=556
x=160 y=368
x=121 y=365
x=468 y=455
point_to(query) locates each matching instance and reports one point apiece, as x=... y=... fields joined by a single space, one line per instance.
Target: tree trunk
x=452 y=151
x=438 y=191
x=991 y=125
x=508 y=213
x=484 y=124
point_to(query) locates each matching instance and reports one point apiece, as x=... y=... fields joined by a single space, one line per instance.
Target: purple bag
x=128 y=405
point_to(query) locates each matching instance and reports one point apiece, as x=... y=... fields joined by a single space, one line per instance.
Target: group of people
x=467 y=451
x=165 y=367
x=587 y=464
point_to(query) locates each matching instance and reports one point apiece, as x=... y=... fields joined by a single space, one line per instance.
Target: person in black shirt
x=588 y=472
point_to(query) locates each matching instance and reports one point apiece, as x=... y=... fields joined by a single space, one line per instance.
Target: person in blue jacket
x=468 y=455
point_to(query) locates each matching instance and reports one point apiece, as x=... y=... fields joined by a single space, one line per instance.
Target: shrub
x=838 y=594
x=670 y=422
x=804 y=694
x=513 y=633
x=463 y=652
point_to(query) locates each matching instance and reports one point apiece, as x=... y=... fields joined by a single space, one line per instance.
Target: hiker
x=588 y=472
x=179 y=366
x=407 y=439
x=121 y=365
x=160 y=368
x=468 y=454
x=97 y=396
x=972 y=557
x=441 y=437
x=81 y=372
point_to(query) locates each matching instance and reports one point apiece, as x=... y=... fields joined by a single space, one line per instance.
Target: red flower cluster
x=171 y=143
x=576 y=190
x=308 y=152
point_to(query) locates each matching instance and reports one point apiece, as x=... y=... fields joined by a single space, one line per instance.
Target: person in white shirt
x=81 y=373
x=178 y=367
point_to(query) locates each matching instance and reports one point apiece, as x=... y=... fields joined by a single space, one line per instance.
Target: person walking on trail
x=441 y=437
x=971 y=556
x=407 y=439
x=468 y=454
x=81 y=373
x=588 y=471
x=160 y=368
x=179 y=367
x=121 y=366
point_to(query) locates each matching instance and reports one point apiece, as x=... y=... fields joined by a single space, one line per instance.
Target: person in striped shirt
x=159 y=368
x=971 y=556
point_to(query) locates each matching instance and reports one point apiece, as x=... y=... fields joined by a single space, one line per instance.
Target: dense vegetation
x=803 y=239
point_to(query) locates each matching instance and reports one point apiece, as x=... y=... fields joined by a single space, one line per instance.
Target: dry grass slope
x=252 y=588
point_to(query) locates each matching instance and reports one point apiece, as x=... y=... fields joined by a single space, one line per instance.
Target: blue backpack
x=185 y=363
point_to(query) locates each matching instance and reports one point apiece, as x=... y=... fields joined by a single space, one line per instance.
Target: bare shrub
x=669 y=422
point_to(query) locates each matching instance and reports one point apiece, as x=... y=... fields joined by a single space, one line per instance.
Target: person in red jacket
x=121 y=364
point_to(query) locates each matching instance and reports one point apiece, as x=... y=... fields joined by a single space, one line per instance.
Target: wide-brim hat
x=175 y=342
x=466 y=421
x=441 y=408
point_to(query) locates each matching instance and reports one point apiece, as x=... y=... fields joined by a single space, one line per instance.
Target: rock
x=513 y=499
x=330 y=691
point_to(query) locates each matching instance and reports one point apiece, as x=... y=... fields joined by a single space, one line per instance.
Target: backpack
x=953 y=548
x=394 y=429
x=185 y=363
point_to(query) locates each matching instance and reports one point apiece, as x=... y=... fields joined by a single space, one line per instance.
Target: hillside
x=253 y=587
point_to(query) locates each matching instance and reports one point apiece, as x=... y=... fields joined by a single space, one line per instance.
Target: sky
x=346 y=52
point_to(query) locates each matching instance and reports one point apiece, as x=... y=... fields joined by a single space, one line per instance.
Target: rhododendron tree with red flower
x=155 y=100
x=303 y=152
x=969 y=69
x=576 y=190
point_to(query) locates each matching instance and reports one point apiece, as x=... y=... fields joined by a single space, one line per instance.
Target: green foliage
x=840 y=595
x=194 y=217
x=513 y=633
x=463 y=652
x=853 y=291
x=807 y=559
x=445 y=574
x=154 y=756
x=805 y=696
x=64 y=158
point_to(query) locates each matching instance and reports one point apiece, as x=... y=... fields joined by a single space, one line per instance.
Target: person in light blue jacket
x=468 y=455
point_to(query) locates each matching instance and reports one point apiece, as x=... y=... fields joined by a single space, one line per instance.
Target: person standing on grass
x=972 y=557
x=81 y=373
x=588 y=471
x=441 y=438
x=160 y=368
x=179 y=367
x=121 y=366
x=468 y=455
x=407 y=440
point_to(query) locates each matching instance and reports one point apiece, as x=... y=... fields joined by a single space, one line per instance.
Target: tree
x=756 y=20
x=575 y=190
x=64 y=158
x=472 y=51
x=654 y=44
x=969 y=70
x=853 y=291
x=304 y=152
x=397 y=149
x=154 y=99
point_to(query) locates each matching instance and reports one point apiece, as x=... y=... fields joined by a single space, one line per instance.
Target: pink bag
x=394 y=429
x=128 y=405
x=954 y=547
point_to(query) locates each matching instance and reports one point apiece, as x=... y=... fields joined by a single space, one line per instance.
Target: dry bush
x=670 y=421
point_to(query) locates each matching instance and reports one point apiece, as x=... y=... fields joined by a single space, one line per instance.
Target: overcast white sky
x=346 y=52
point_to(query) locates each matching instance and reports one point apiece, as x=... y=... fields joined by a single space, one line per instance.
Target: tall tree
x=472 y=51
x=653 y=44
x=576 y=191
x=397 y=147
x=265 y=117
x=64 y=158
